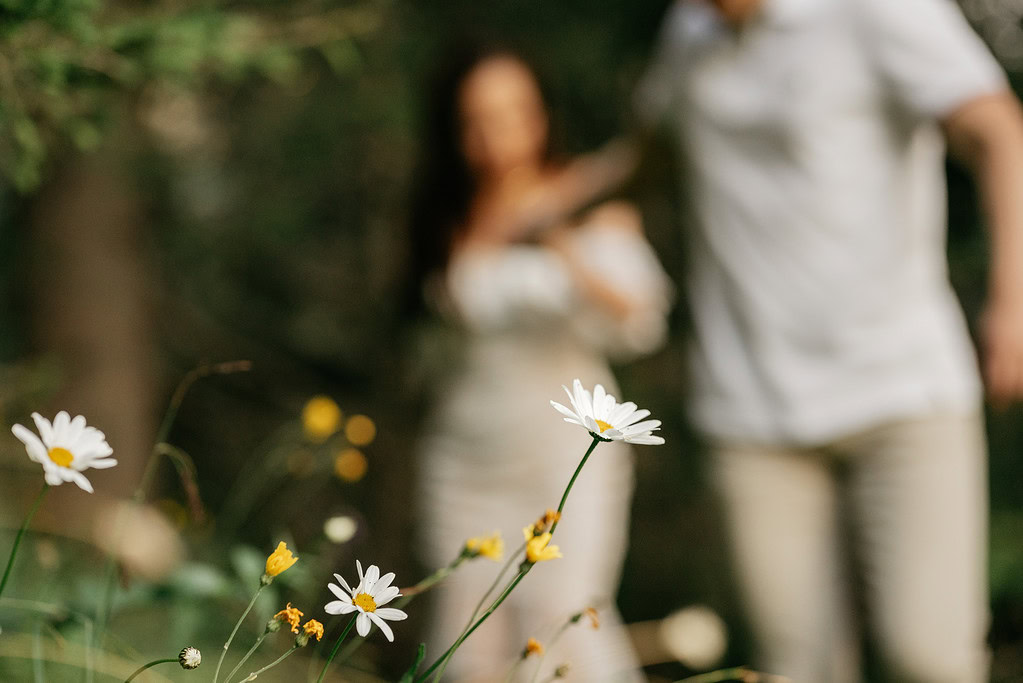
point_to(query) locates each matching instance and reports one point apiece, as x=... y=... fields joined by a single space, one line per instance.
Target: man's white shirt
x=814 y=165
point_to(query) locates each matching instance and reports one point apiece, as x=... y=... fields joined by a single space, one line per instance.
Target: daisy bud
x=190 y=658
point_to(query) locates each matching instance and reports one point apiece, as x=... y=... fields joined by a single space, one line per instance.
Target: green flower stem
x=139 y=496
x=433 y=579
x=525 y=567
x=571 y=482
x=287 y=653
x=21 y=532
x=336 y=646
x=739 y=673
x=493 y=586
x=223 y=652
x=523 y=570
x=248 y=654
x=150 y=664
x=561 y=631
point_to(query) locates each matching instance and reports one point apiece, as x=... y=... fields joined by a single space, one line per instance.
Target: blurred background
x=186 y=183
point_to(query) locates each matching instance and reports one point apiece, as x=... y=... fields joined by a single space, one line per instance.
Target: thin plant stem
x=287 y=653
x=248 y=654
x=442 y=660
x=571 y=482
x=139 y=495
x=336 y=646
x=150 y=664
x=223 y=652
x=21 y=533
x=550 y=644
x=523 y=570
x=493 y=586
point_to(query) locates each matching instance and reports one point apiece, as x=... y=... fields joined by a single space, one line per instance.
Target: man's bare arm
x=987 y=133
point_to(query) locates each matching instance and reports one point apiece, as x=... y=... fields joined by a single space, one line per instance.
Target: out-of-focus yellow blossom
x=280 y=560
x=321 y=417
x=594 y=619
x=533 y=647
x=490 y=547
x=537 y=549
x=350 y=465
x=360 y=430
x=290 y=616
x=545 y=522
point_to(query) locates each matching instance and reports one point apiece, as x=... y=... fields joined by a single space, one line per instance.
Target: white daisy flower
x=66 y=448
x=368 y=599
x=606 y=419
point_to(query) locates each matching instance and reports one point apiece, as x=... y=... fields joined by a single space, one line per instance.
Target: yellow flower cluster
x=290 y=616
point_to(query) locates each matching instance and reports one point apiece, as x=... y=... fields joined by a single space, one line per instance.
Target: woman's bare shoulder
x=615 y=214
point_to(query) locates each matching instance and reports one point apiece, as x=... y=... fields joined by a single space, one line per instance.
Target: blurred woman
x=536 y=306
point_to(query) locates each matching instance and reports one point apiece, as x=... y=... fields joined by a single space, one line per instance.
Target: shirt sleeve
x=928 y=55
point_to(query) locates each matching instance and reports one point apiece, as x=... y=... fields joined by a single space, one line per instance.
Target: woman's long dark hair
x=444 y=185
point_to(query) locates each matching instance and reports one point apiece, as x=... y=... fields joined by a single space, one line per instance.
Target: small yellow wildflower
x=350 y=465
x=280 y=560
x=533 y=647
x=291 y=616
x=321 y=417
x=594 y=619
x=311 y=629
x=360 y=430
x=490 y=547
x=537 y=549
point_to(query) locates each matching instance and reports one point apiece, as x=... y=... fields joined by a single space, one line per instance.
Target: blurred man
x=832 y=371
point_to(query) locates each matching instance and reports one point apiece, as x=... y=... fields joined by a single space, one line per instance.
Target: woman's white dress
x=495 y=455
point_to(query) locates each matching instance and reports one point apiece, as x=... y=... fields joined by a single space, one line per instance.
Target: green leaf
x=410 y=675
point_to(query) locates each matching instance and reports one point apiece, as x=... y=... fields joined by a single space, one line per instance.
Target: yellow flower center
x=603 y=426
x=366 y=602
x=61 y=456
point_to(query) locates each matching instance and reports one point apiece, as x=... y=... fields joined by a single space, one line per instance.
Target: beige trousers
x=901 y=508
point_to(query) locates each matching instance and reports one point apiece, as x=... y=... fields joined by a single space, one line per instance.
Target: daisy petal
x=564 y=411
x=598 y=401
x=382 y=583
x=632 y=419
x=391 y=614
x=382 y=625
x=648 y=440
x=647 y=426
x=385 y=596
x=53 y=478
x=60 y=425
x=33 y=446
x=362 y=624
x=341 y=595
x=338 y=607
x=82 y=482
x=621 y=412
x=44 y=427
x=344 y=584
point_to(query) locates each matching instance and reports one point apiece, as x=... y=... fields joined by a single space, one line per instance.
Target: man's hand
x=1002 y=352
